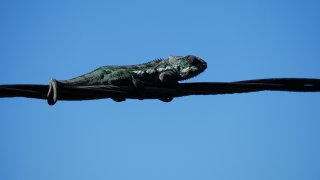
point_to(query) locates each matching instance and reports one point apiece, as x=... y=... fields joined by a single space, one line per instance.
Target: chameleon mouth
x=200 y=67
x=191 y=72
x=204 y=66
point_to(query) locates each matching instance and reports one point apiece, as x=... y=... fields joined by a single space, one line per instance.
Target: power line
x=54 y=91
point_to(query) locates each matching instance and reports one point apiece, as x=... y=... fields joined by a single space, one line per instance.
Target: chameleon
x=160 y=73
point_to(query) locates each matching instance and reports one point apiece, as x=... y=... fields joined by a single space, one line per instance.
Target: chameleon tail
x=77 y=81
x=92 y=78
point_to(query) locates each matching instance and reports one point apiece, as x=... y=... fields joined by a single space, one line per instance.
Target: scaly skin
x=161 y=73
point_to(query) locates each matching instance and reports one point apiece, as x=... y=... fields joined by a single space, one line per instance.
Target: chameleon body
x=161 y=73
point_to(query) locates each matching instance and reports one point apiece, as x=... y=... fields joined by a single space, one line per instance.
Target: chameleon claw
x=118 y=99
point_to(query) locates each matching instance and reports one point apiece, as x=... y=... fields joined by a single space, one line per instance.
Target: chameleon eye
x=193 y=60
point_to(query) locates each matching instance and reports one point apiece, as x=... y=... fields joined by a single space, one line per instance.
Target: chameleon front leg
x=168 y=78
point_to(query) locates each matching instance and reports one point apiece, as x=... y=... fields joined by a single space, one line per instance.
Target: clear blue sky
x=265 y=135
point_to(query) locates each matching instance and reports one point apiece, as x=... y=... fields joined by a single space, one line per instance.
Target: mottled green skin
x=165 y=72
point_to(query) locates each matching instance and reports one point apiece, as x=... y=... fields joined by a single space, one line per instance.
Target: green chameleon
x=160 y=73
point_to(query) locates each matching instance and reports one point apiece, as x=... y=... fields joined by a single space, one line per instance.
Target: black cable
x=55 y=91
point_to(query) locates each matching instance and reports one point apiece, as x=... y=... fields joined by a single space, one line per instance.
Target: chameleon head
x=188 y=66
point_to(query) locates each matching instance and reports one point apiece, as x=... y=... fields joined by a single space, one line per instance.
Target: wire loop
x=52 y=95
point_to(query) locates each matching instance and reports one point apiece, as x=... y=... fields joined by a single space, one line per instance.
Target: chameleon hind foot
x=118 y=99
x=167 y=99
